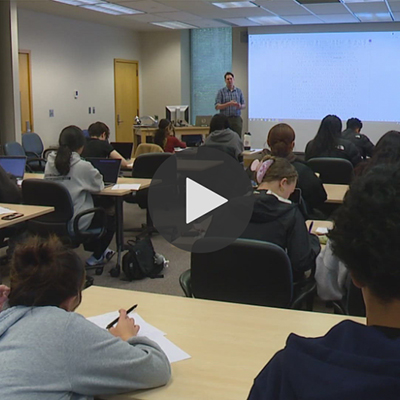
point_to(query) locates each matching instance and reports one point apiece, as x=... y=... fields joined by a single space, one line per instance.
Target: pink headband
x=261 y=168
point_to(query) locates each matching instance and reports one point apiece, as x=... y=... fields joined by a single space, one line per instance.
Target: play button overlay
x=210 y=200
x=200 y=199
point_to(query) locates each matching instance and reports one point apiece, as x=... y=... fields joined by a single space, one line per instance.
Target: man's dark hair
x=219 y=122
x=228 y=73
x=98 y=128
x=366 y=234
x=354 y=123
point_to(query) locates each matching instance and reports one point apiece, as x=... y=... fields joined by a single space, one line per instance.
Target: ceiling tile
x=241 y=22
x=396 y=16
x=374 y=7
x=395 y=6
x=327 y=8
x=338 y=18
x=283 y=7
x=303 y=19
x=145 y=18
x=177 y=16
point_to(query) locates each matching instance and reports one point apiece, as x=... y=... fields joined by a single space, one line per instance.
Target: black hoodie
x=283 y=224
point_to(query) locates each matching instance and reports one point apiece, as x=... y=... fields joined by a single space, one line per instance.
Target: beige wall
x=165 y=71
x=69 y=55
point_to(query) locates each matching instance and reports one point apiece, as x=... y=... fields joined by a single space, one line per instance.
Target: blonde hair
x=279 y=169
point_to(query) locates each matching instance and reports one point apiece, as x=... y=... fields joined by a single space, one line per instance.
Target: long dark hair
x=44 y=272
x=327 y=136
x=160 y=134
x=71 y=139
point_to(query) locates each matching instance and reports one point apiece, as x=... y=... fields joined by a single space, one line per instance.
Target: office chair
x=145 y=148
x=332 y=170
x=41 y=192
x=15 y=149
x=145 y=166
x=248 y=272
x=33 y=147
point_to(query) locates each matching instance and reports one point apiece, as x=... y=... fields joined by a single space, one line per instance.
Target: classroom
x=72 y=60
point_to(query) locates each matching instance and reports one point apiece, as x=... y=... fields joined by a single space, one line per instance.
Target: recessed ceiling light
x=120 y=9
x=269 y=20
x=373 y=17
x=70 y=2
x=235 y=4
x=174 y=25
x=102 y=10
x=362 y=1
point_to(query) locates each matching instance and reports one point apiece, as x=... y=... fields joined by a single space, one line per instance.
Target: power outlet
x=51 y=113
x=90 y=110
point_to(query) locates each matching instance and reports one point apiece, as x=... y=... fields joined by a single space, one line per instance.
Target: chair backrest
x=332 y=170
x=145 y=148
x=41 y=192
x=220 y=147
x=13 y=149
x=246 y=271
x=32 y=144
x=146 y=165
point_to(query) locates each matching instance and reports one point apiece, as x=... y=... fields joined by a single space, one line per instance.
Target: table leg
x=119 y=235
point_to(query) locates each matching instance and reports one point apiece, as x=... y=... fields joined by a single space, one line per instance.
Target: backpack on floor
x=141 y=261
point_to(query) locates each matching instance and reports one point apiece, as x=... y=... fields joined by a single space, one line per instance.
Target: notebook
x=123 y=148
x=14 y=165
x=108 y=167
x=203 y=120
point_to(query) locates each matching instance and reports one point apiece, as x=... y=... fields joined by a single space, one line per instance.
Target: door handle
x=118 y=120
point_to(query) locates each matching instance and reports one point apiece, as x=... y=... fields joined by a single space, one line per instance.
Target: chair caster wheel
x=98 y=271
x=115 y=272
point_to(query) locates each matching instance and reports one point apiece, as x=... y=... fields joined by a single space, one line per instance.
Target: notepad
x=173 y=352
x=126 y=186
x=4 y=210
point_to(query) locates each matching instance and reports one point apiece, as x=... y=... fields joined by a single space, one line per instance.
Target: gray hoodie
x=226 y=137
x=82 y=180
x=49 y=353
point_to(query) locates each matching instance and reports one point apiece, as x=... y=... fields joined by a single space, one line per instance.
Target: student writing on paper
x=353 y=360
x=50 y=352
x=81 y=179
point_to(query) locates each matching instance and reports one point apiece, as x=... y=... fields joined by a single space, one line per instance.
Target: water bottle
x=247 y=141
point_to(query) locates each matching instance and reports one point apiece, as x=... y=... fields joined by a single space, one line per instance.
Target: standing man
x=230 y=102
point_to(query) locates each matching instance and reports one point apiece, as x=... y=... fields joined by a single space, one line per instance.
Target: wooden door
x=126 y=75
x=25 y=90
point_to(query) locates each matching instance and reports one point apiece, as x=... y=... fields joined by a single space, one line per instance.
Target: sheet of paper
x=4 y=210
x=173 y=352
x=146 y=329
x=126 y=186
x=321 y=231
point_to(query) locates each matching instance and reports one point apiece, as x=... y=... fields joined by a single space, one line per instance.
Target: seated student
x=50 y=352
x=281 y=138
x=97 y=144
x=81 y=179
x=222 y=135
x=164 y=137
x=352 y=361
x=277 y=220
x=362 y=142
x=329 y=143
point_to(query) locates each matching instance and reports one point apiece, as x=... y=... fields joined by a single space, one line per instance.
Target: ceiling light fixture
x=174 y=25
x=235 y=4
x=101 y=6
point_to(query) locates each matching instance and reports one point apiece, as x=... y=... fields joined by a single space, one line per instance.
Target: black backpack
x=141 y=261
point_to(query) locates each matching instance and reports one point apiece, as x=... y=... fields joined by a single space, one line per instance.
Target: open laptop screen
x=108 y=167
x=14 y=165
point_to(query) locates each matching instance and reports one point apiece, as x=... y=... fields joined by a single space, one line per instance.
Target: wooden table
x=29 y=212
x=335 y=193
x=229 y=343
x=319 y=224
x=119 y=203
x=143 y=132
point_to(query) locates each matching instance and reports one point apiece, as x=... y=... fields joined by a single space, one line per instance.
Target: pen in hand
x=311 y=226
x=112 y=323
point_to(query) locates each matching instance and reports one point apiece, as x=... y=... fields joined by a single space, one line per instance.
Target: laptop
x=203 y=120
x=123 y=148
x=108 y=167
x=14 y=165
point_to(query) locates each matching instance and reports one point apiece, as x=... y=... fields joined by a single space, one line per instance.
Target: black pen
x=311 y=226
x=112 y=323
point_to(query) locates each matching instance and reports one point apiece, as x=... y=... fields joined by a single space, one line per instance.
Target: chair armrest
x=36 y=159
x=84 y=235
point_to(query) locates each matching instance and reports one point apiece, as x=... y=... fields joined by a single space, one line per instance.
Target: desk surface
x=28 y=211
x=335 y=193
x=144 y=183
x=229 y=343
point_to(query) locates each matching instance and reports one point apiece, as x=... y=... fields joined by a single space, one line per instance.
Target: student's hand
x=4 y=292
x=125 y=327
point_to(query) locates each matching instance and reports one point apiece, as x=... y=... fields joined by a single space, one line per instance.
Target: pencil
x=112 y=323
x=311 y=226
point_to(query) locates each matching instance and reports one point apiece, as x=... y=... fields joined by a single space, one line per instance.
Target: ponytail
x=63 y=160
